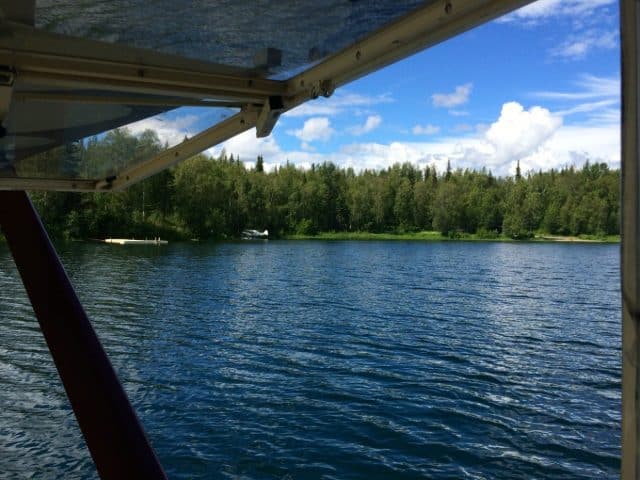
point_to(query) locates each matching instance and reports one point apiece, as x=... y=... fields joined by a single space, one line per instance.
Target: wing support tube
x=630 y=233
x=115 y=437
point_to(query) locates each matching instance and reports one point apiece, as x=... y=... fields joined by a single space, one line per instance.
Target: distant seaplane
x=255 y=235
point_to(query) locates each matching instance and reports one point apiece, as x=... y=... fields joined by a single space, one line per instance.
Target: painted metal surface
x=630 y=262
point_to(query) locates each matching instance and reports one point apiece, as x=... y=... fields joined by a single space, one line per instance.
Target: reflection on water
x=335 y=360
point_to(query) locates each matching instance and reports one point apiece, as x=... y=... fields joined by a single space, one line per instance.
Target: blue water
x=362 y=360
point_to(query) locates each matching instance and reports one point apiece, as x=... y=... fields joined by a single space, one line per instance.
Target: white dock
x=132 y=241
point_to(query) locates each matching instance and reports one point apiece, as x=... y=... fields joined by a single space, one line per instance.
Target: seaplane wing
x=71 y=69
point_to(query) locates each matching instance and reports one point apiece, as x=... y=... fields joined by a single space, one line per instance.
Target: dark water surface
x=305 y=360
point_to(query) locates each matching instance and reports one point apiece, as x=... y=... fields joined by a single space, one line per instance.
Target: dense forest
x=209 y=198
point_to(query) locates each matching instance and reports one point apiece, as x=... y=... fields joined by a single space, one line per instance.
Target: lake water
x=361 y=360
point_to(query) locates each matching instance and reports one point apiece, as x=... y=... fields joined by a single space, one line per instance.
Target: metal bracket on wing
x=275 y=106
x=269 y=114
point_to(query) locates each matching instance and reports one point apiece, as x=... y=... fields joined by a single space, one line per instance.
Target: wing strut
x=115 y=437
x=630 y=229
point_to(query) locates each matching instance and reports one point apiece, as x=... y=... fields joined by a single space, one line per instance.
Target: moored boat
x=255 y=234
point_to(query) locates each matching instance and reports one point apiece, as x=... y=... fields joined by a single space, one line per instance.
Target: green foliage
x=218 y=198
x=448 y=207
x=306 y=227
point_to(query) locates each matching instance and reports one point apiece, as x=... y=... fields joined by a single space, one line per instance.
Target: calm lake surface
x=358 y=360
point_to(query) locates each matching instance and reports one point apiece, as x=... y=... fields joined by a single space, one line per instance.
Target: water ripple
x=335 y=360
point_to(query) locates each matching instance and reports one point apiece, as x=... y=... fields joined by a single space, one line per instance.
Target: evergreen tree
x=218 y=197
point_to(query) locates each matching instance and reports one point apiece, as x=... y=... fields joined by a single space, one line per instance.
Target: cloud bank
x=535 y=136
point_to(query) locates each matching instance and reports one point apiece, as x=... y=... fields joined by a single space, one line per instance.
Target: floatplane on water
x=255 y=235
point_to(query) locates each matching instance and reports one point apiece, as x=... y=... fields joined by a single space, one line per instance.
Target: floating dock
x=132 y=241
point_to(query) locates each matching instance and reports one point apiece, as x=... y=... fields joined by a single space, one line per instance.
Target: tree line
x=210 y=198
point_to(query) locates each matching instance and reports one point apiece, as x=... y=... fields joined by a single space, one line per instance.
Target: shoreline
x=426 y=236
x=429 y=236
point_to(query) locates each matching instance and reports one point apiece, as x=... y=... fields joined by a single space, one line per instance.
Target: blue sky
x=540 y=86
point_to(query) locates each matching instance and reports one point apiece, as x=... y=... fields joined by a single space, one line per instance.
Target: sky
x=539 y=86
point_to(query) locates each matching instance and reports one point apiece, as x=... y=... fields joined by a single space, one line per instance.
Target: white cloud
x=606 y=116
x=425 y=129
x=519 y=133
x=540 y=140
x=544 y=9
x=597 y=98
x=588 y=25
x=372 y=122
x=459 y=96
x=248 y=147
x=574 y=145
x=360 y=156
x=579 y=46
x=590 y=87
x=589 y=107
x=340 y=102
x=169 y=131
x=317 y=128
x=463 y=127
